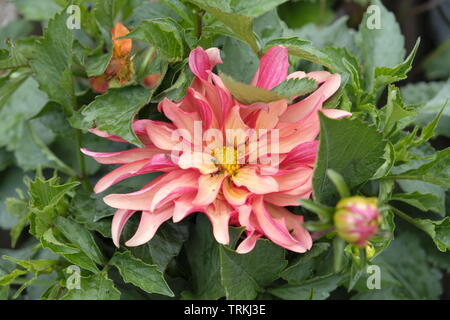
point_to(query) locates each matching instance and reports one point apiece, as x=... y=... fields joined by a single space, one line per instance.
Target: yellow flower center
x=227 y=159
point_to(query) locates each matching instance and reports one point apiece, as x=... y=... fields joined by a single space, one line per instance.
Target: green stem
x=339 y=182
x=198 y=26
x=338 y=251
x=405 y=217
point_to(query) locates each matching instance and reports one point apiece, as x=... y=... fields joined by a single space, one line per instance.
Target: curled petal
x=122 y=157
x=248 y=243
x=273 y=68
x=119 y=220
x=204 y=162
x=234 y=195
x=249 y=178
x=208 y=188
x=149 y=224
x=219 y=213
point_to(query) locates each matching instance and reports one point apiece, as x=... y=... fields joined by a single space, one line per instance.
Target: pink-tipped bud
x=357 y=219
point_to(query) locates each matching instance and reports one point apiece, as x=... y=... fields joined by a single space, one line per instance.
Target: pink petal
x=249 y=178
x=106 y=135
x=183 y=206
x=204 y=162
x=142 y=199
x=122 y=157
x=234 y=195
x=149 y=224
x=273 y=68
x=248 y=243
x=303 y=108
x=180 y=118
x=163 y=136
x=335 y=113
x=304 y=153
x=219 y=213
x=277 y=230
x=121 y=173
x=208 y=188
x=118 y=222
x=201 y=61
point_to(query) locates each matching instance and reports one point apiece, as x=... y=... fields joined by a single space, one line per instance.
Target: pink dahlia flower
x=238 y=164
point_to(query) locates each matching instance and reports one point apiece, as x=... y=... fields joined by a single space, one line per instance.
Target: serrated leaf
x=95 y=287
x=203 y=257
x=248 y=94
x=385 y=75
x=145 y=276
x=52 y=62
x=315 y=289
x=243 y=275
x=162 y=33
x=302 y=49
x=436 y=171
x=241 y=25
x=68 y=251
x=422 y=201
x=114 y=111
x=350 y=147
x=295 y=87
x=81 y=237
x=379 y=47
x=303 y=267
x=439 y=231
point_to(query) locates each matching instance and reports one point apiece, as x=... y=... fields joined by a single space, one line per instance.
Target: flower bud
x=357 y=219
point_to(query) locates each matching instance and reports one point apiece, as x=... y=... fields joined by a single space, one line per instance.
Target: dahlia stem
x=407 y=218
x=339 y=182
x=338 y=253
x=199 y=23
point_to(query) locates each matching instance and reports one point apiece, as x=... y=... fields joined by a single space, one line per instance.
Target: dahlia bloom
x=238 y=164
x=357 y=219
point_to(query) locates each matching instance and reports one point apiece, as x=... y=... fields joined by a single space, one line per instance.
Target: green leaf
x=203 y=257
x=35 y=266
x=18 y=208
x=81 y=237
x=68 y=251
x=439 y=231
x=295 y=87
x=350 y=147
x=407 y=262
x=145 y=276
x=394 y=115
x=10 y=182
x=84 y=210
x=437 y=64
x=430 y=98
x=241 y=25
x=303 y=267
x=114 y=111
x=52 y=62
x=162 y=33
x=302 y=49
x=97 y=64
x=7 y=279
x=243 y=275
x=241 y=62
x=315 y=289
x=48 y=193
x=385 y=75
x=383 y=47
x=95 y=287
x=436 y=171
x=164 y=246
x=422 y=201
x=37 y=10
x=248 y=94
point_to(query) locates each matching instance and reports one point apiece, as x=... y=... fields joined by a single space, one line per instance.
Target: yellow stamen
x=227 y=159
